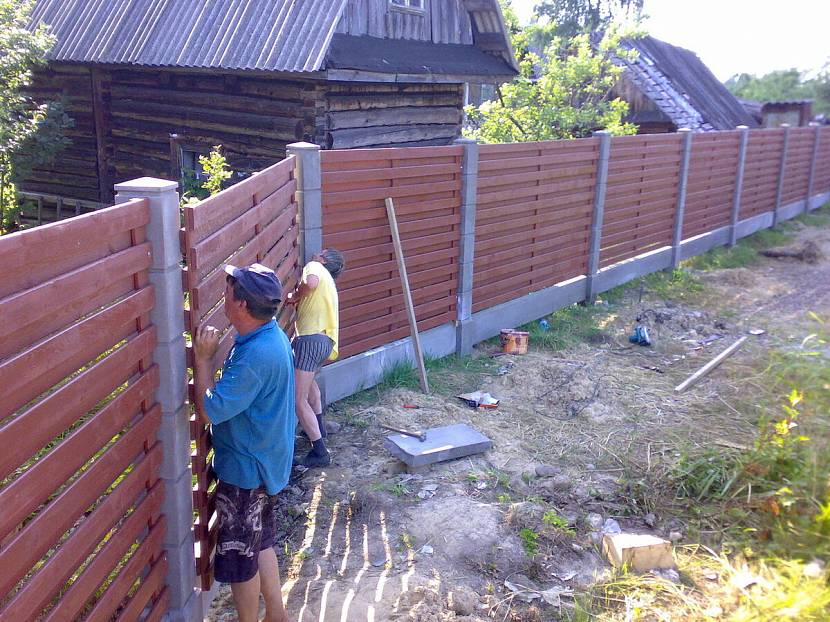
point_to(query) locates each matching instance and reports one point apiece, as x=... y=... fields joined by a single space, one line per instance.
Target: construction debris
x=479 y=399
x=639 y=552
x=700 y=373
x=444 y=443
x=809 y=252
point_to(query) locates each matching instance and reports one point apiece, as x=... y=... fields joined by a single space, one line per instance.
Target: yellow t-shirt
x=317 y=312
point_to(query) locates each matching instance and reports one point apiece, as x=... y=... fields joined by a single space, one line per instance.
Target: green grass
x=744 y=253
x=568 y=327
x=530 y=541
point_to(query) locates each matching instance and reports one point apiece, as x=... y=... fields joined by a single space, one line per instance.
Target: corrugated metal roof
x=270 y=35
x=678 y=82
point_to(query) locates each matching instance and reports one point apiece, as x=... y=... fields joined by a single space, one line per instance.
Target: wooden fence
x=80 y=528
x=425 y=183
x=533 y=216
x=253 y=221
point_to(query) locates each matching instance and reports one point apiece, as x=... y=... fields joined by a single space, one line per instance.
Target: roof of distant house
x=684 y=88
x=265 y=35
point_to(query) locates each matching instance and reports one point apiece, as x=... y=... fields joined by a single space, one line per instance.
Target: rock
x=650 y=519
x=590 y=467
x=393 y=467
x=669 y=574
x=547 y=470
x=560 y=483
x=332 y=427
x=675 y=536
x=462 y=600
x=610 y=526
x=594 y=521
x=581 y=493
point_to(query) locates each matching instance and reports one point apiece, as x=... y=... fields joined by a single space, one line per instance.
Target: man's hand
x=205 y=342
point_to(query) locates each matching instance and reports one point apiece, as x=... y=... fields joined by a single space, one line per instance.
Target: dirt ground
x=366 y=541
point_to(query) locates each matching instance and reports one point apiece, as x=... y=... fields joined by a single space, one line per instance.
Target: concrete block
x=465 y=337
x=170 y=357
x=312 y=216
x=791 y=210
x=178 y=507
x=181 y=575
x=174 y=432
x=640 y=552
x=748 y=226
x=194 y=609
x=308 y=164
x=624 y=271
x=163 y=230
x=817 y=200
x=444 y=443
x=706 y=241
x=167 y=314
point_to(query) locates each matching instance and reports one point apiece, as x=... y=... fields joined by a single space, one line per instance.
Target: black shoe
x=315 y=459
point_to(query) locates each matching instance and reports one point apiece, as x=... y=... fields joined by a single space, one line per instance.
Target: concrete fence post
x=813 y=161
x=739 y=184
x=309 y=197
x=599 y=209
x=685 y=154
x=168 y=317
x=469 y=186
x=780 y=191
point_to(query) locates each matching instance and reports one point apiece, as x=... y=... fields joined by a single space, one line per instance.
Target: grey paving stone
x=444 y=443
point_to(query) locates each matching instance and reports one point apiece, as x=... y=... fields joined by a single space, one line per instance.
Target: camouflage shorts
x=247 y=525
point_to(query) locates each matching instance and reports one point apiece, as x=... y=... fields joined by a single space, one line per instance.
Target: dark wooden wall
x=124 y=118
x=74 y=173
x=361 y=114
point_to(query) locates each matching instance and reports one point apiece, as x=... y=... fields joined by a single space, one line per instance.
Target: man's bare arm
x=205 y=344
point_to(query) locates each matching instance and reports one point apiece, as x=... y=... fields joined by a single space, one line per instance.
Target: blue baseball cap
x=261 y=282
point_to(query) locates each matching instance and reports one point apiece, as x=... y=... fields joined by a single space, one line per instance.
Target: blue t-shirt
x=251 y=409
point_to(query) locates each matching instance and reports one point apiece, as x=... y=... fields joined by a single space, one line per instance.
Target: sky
x=739 y=36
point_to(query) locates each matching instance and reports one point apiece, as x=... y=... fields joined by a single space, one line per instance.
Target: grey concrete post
x=739 y=185
x=469 y=185
x=309 y=197
x=813 y=161
x=780 y=191
x=685 y=154
x=168 y=317
x=599 y=209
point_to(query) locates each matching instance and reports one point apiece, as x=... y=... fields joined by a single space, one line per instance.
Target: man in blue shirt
x=251 y=413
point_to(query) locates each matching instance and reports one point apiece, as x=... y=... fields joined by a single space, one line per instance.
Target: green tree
x=30 y=133
x=573 y=17
x=782 y=85
x=564 y=92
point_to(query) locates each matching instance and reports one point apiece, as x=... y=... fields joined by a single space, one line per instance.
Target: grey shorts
x=311 y=351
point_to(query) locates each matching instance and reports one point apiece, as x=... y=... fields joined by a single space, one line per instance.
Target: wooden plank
x=374 y=194
x=398 y=154
x=36 y=255
x=33 y=371
x=38 y=591
x=218 y=210
x=149 y=550
x=25 y=434
x=31 y=315
x=332 y=178
x=34 y=486
x=40 y=534
x=410 y=310
x=150 y=584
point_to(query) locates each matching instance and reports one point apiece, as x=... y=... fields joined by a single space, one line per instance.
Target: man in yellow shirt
x=315 y=341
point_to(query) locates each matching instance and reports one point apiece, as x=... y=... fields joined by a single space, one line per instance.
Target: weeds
x=744 y=253
x=552 y=519
x=530 y=541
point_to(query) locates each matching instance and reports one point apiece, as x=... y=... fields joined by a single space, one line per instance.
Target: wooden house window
x=414 y=6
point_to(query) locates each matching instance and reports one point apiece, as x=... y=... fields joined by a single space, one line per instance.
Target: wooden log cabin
x=253 y=76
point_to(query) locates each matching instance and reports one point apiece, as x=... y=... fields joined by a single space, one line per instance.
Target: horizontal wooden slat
x=218 y=210
x=151 y=583
x=31 y=314
x=33 y=371
x=388 y=153
x=33 y=256
x=38 y=536
x=40 y=480
x=50 y=579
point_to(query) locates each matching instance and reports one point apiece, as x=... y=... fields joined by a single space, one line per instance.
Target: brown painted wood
x=26 y=433
x=41 y=533
x=23 y=495
x=37 y=592
x=148 y=552
x=56 y=248
x=31 y=314
x=150 y=584
x=33 y=371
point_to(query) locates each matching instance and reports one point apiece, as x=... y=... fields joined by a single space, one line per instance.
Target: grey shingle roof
x=271 y=35
x=678 y=82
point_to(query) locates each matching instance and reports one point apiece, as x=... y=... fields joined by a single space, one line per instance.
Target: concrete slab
x=444 y=443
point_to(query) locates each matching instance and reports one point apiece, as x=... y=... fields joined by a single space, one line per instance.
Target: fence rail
x=78 y=422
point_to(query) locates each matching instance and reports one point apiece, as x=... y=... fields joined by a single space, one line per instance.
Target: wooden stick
x=407 y=294
x=700 y=373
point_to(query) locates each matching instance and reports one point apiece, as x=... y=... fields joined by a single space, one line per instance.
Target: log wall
x=384 y=115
